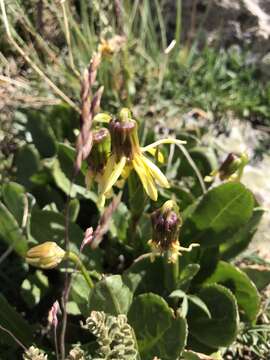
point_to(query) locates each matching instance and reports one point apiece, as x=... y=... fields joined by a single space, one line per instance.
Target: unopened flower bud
x=100 y=150
x=232 y=165
x=166 y=223
x=52 y=316
x=45 y=256
x=229 y=166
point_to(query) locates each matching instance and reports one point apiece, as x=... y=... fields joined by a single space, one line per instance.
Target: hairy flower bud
x=166 y=223
x=100 y=152
x=45 y=256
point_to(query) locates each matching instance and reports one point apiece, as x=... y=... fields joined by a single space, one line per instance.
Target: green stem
x=171 y=273
x=76 y=260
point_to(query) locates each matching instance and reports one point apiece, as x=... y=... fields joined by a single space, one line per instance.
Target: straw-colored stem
x=68 y=38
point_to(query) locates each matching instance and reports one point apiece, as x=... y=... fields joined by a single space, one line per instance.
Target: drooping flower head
x=127 y=154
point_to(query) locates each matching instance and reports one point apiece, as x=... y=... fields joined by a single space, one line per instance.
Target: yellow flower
x=127 y=154
x=45 y=256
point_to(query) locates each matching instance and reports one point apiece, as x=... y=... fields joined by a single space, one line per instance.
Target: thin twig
x=67 y=284
x=13 y=337
x=6 y=253
x=194 y=166
x=56 y=343
x=31 y=63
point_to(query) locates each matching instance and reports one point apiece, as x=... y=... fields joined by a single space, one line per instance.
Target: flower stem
x=171 y=273
x=76 y=260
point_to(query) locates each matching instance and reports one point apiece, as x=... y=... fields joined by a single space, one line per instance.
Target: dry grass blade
x=33 y=65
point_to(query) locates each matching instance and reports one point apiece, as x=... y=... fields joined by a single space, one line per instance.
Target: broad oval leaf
x=111 y=295
x=238 y=282
x=226 y=206
x=157 y=330
x=221 y=329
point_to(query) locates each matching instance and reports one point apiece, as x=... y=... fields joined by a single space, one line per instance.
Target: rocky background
x=224 y=23
x=246 y=24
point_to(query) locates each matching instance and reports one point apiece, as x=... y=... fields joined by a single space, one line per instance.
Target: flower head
x=166 y=223
x=98 y=156
x=127 y=154
x=45 y=256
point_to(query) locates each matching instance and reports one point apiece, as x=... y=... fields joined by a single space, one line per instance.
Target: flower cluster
x=126 y=155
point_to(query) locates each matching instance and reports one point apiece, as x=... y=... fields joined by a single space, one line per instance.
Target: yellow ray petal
x=126 y=171
x=163 y=141
x=112 y=172
x=145 y=177
x=154 y=151
x=157 y=174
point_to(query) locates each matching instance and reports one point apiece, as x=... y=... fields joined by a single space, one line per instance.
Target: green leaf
x=120 y=222
x=178 y=294
x=11 y=320
x=259 y=274
x=27 y=162
x=149 y=275
x=221 y=329
x=33 y=288
x=111 y=295
x=187 y=274
x=50 y=226
x=218 y=215
x=14 y=197
x=157 y=330
x=240 y=240
x=62 y=170
x=42 y=134
x=74 y=209
x=191 y=355
x=229 y=205
x=194 y=299
x=198 y=302
x=10 y=231
x=245 y=291
x=79 y=293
